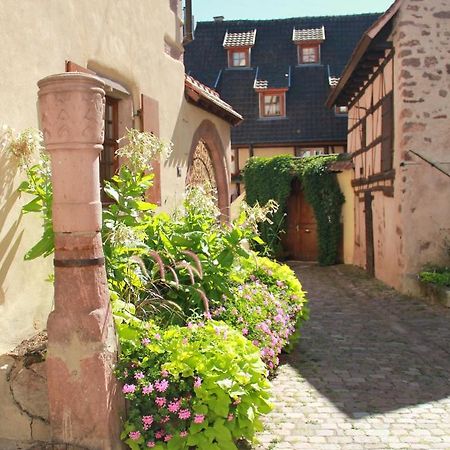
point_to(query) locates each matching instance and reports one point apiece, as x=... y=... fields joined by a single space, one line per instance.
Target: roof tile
x=308 y=34
x=242 y=39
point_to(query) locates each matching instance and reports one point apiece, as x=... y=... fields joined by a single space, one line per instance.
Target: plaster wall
x=388 y=244
x=348 y=214
x=422 y=74
x=137 y=46
x=266 y=152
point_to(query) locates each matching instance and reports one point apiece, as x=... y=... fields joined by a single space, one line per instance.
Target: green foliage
x=436 y=275
x=201 y=386
x=321 y=190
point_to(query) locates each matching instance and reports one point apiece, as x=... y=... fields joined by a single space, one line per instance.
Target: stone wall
x=23 y=393
x=422 y=109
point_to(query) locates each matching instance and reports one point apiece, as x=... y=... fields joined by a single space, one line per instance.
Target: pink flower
x=160 y=401
x=190 y=325
x=183 y=433
x=147 y=420
x=157 y=336
x=161 y=386
x=167 y=438
x=165 y=419
x=199 y=418
x=134 y=435
x=147 y=390
x=184 y=414
x=145 y=341
x=185 y=341
x=237 y=401
x=255 y=342
x=174 y=406
x=164 y=373
x=244 y=331
x=128 y=388
x=230 y=417
x=151 y=444
x=138 y=375
x=197 y=382
x=159 y=434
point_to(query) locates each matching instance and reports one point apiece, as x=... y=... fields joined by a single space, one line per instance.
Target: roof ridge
x=335 y=16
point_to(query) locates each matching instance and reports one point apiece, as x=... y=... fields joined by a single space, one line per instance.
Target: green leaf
x=145 y=206
x=34 y=206
x=111 y=192
x=43 y=248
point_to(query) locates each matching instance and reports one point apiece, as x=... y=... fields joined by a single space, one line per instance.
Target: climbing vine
x=271 y=178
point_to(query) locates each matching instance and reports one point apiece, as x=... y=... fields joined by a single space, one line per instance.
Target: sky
x=278 y=9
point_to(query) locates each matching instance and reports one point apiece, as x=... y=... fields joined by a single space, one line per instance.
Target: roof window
x=308 y=44
x=239 y=47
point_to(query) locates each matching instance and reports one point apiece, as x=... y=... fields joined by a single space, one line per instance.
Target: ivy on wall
x=271 y=178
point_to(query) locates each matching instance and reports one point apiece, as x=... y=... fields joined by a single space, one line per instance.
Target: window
x=340 y=110
x=309 y=54
x=238 y=58
x=387 y=132
x=108 y=160
x=272 y=104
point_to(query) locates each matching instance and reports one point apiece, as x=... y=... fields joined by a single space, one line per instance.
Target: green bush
x=267 y=305
x=203 y=386
x=321 y=190
x=436 y=275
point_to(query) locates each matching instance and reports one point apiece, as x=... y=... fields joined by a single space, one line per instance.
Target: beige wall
x=124 y=44
x=348 y=215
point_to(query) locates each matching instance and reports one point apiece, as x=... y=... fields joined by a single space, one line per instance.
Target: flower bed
x=201 y=386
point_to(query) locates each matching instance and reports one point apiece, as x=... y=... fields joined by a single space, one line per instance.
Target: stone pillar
x=84 y=399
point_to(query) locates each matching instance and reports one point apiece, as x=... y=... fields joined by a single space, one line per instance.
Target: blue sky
x=278 y=9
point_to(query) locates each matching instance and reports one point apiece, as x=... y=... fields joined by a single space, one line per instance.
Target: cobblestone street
x=372 y=370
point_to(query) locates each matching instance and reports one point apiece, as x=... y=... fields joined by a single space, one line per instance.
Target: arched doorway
x=201 y=169
x=207 y=164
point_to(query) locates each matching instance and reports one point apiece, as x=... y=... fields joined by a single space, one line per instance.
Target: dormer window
x=272 y=103
x=239 y=47
x=239 y=58
x=308 y=43
x=309 y=54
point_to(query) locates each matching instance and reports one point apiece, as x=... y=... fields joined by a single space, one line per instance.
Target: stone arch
x=207 y=135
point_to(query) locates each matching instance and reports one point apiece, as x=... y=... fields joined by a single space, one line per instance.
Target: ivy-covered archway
x=271 y=178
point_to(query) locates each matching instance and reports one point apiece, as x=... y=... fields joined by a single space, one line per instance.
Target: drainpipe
x=84 y=396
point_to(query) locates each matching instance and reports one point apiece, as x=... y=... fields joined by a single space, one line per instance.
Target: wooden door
x=300 y=241
x=370 y=249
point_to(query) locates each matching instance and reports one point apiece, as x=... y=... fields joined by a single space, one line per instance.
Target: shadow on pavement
x=366 y=347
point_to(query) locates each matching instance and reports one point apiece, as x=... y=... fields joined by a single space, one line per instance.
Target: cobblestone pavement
x=372 y=370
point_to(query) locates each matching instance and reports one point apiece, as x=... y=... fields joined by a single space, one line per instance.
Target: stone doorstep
x=436 y=293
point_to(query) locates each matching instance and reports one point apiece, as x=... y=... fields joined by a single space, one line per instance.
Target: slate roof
x=272 y=57
x=309 y=34
x=243 y=39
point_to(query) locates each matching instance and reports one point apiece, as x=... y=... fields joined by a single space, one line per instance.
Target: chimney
x=188 y=19
x=218 y=18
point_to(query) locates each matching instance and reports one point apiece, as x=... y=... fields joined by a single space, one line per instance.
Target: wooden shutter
x=387 y=132
x=150 y=123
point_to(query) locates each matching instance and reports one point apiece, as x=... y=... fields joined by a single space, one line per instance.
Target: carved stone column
x=84 y=400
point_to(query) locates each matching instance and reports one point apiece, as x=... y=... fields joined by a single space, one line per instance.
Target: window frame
x=281 y=93
x=109 y=167
x=235 y=50
x=309 y=45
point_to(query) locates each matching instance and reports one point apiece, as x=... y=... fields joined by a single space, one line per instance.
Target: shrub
x=436 y=275
x=203 y=386
x=267 y=306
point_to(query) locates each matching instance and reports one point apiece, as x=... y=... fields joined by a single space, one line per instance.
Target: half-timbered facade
x=395 y=87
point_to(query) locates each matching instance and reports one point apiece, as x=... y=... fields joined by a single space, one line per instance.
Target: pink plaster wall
x=410 y=228
x=422 y=73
